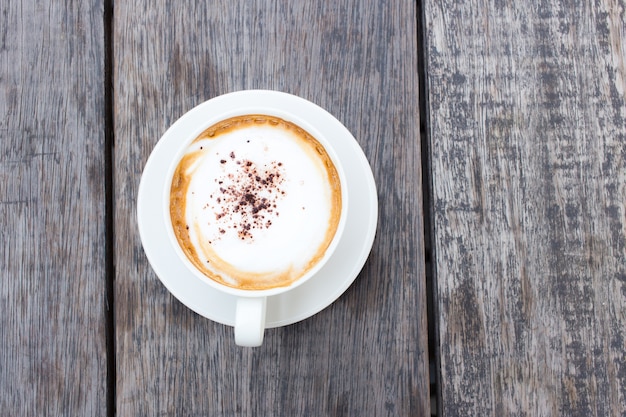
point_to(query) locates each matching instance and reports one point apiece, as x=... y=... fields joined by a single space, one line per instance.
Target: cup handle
x=250 y=321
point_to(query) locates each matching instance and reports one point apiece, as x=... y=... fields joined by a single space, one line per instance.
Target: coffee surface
x=255 y=202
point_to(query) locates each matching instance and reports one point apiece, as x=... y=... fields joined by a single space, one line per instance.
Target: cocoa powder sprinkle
x=247 y=195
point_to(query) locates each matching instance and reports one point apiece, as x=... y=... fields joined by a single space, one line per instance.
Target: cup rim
x=269 y=110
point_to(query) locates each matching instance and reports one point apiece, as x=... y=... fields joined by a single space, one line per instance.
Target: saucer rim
x=281 y=310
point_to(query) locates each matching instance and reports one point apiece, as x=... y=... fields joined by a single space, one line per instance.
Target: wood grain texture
x=528 y=145
x=52 y=206
x=367 y=353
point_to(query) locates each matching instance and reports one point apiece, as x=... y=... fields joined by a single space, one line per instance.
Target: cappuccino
x=255 y=202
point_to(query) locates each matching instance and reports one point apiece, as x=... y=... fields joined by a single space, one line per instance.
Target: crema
x=255 y=202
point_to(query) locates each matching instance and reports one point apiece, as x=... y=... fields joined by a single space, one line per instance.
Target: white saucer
x=312 y=296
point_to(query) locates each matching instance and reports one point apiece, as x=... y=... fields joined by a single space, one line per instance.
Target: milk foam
x=259 y=205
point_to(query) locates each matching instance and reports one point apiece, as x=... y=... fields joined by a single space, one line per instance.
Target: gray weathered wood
x=52 y=209
x=528 y=144
x=367 y=353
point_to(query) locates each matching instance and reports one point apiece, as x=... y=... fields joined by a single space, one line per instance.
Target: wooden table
x=506 y=121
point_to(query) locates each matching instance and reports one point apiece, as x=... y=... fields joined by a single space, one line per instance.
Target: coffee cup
x=255 y=203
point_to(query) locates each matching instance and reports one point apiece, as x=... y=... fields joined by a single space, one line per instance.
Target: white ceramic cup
x=251 y=304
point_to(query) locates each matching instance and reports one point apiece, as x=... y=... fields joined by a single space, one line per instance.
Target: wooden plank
x=367 y=353
x=52 y=209
x=528 y=143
